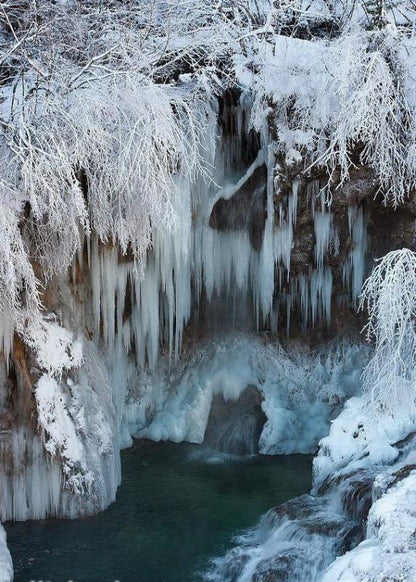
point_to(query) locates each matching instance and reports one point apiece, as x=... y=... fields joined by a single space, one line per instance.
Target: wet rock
x=276 y=569
x=356 y=496
x=234 y=427
x=246 y=210
x=233 y=565
x=298 y=508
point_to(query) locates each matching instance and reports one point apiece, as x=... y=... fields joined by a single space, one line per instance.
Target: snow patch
x=359 y=437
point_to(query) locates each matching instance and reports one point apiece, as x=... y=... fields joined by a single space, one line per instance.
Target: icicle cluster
x=112 y=139
x=141 y=310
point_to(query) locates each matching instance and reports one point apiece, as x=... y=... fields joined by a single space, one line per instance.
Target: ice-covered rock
x=300 y=391
x=389 y=550
x=361 y=436
x=67 y=464
x=6 y=566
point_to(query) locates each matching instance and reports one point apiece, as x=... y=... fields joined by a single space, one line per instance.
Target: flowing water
x=178 y=505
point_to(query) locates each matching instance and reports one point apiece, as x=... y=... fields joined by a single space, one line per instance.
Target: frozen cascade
x=321 y=294
x=70 y=466
x=6 y=334
x=232 y=245
x=354 y=266
x=136 y=313
x=196 y=260
x=38 y=492
x=322 y=223
x=299 y=391
x=140 y=312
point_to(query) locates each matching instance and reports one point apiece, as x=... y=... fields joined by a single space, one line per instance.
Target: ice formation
x=122 y=170
x=72 y=468
x=359 y=437
x=196 y=260
x=6 y=566
x=133 y=311
x=388 y=552
x=300 y=391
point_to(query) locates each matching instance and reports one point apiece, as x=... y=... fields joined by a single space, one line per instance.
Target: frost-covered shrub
x=94 y=139
x=390 y=298
x=341 y=102
x=127 y=141
x=18 y=285
x=369 y=425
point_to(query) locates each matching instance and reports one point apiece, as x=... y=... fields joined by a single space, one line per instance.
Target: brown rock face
x=386 y=228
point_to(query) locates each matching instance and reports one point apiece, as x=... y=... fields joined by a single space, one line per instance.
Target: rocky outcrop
x=59 y=445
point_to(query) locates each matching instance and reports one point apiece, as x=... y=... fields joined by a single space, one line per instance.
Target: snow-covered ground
x=389 y=549
x=361 y=437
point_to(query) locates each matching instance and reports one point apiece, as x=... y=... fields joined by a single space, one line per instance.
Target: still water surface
x=178 y=505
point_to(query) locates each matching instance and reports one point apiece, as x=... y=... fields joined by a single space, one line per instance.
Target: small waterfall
x=296 y=541
x=239 y=436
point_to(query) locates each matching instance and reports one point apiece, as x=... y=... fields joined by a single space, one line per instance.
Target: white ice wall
x=300 y=390
x=63 y=461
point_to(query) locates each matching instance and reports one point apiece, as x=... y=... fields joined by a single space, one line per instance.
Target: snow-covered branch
x=389 y=296
x=105 y=108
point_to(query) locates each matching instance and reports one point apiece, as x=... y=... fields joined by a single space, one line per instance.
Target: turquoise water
x=175 y=509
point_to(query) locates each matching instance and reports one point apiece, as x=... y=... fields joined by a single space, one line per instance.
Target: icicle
x=293 y=203
x=220 y=264
x=322 y=224
x=267 y=259
x=283 y=244
x=304 y=299
x=354 y=266
x=321 y=294
x=95 y=271
x=284 y=231
x=6 y=335
x=312 y=192
x=288 y=312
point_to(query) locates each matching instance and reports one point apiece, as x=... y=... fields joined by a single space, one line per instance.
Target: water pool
x=178 y=505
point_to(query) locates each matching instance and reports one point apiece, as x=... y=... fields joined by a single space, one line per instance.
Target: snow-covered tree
x=104 y=109
x=390 y=298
